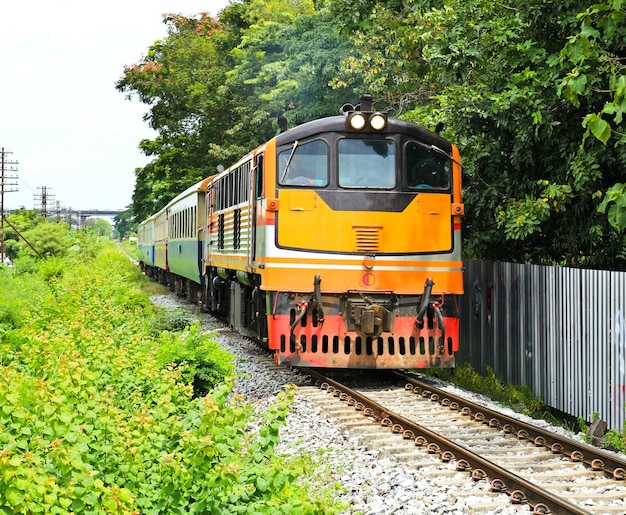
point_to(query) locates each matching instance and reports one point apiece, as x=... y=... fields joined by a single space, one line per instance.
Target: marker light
x=378 y=122
x=357 y=121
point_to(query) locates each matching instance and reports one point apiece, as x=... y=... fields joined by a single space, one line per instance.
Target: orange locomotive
x=338 y=244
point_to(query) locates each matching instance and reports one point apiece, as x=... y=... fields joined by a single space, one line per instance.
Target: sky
x=73 y=136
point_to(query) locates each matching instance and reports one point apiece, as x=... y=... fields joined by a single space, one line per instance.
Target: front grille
x=366 y=346
x=367 y=239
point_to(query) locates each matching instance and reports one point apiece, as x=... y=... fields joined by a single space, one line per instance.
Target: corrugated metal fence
x=561 y=331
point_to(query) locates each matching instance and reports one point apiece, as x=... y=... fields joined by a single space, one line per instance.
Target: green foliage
x=102 y=227
x=52 y=269
x=92 y=422
x=597 y=77
x=493 y=72
x=594 y=52
x=86 y=244
x=615 y=439
x=612 y=439
x=18 y=222
x=520 y=398
x=534 y=96
x=615 y=200
x=215 y=89
x=179 y=78
x=200 y=359
x=583 y=426
x=48 y=238
x=123 y=223
x=171 y=320
x=17 y=294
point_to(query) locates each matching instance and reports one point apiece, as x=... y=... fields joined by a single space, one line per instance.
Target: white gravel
x=373 y=484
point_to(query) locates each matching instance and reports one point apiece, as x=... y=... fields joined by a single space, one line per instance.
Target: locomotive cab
x=370 y=205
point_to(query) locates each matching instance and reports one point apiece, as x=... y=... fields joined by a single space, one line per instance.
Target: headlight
x=357 y=121
x=378 y=122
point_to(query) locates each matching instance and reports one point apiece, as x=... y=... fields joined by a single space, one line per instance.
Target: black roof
x=339 y=124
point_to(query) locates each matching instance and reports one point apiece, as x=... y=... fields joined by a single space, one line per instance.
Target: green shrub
x=201 y=360
x=171 y=320
x=520 y=398
x=52 y=268
x=86 y=244
x=49 y=239
x=26 y=264
x=18 y=293
x=95 y=418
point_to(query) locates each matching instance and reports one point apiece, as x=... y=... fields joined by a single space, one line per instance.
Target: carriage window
x=426 y=169
x=367 y=163
x=304 y=164
x=259 y=176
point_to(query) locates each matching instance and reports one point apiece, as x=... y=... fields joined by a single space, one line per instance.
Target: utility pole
x=8 y=184
x=43 y=199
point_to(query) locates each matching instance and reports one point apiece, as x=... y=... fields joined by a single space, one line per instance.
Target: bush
x=17 y=295
x=86 y=243
x=49 y=239
x=95 y=418
x=52 y=268
x=171 y=320
x=520 y=398
x=201 y=361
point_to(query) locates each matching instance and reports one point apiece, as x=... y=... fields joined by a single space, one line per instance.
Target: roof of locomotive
x=339 y=124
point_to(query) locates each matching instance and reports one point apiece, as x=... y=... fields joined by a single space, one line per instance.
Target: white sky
x=66 y=125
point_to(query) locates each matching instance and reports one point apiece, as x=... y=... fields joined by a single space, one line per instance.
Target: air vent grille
x=367 y=239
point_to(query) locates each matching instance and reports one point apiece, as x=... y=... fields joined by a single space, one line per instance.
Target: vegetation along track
x=537 y=469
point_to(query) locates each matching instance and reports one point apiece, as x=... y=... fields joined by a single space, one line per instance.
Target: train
x=336 y=244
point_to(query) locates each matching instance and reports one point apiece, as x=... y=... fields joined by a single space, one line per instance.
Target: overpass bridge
x=86 y=213
x=80 y=216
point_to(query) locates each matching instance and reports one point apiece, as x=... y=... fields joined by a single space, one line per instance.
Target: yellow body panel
x=305 y=221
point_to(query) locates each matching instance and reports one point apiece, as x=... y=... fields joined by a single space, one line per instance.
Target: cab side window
x=426 y=169
x=304 y=164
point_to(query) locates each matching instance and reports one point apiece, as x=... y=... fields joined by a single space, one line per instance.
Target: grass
x=522 y=400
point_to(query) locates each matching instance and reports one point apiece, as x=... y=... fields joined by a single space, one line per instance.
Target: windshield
x=367 y=163
x=426 y=169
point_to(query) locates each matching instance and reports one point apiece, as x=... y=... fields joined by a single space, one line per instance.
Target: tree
x=102 y=228
x=493 y=72
x=178 y=79
x=216 y=88
x=598 y=76
x=22 y=220
x=286 y=65
x=123 y=222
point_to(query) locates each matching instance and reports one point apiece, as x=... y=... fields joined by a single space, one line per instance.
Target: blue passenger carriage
x=186 y=220
x=145 y=245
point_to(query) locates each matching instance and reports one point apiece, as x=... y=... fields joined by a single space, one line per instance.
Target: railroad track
x=533 y=467
x=444 y=435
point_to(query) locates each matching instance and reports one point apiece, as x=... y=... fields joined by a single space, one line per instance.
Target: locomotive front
x=361 y=262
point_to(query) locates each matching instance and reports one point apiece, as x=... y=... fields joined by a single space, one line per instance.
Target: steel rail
x=596 y=459
x=519 y=489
